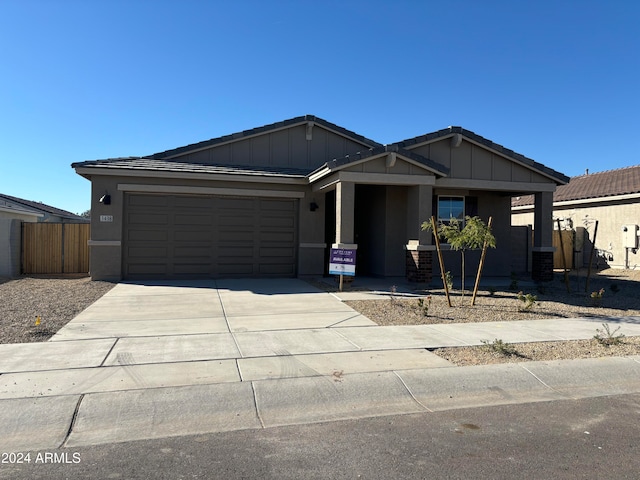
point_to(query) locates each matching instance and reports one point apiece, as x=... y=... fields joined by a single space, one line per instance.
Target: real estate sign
x=342 y=262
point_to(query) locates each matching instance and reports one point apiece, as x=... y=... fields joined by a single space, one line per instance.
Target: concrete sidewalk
x=177 y=358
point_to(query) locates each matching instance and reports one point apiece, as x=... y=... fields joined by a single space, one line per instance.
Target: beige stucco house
x=271 y=201
x=612 y=198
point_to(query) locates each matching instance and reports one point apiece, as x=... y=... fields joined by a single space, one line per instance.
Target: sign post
x=342 y=262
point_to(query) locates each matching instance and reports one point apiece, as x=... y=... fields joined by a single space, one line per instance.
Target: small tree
x=473 y=236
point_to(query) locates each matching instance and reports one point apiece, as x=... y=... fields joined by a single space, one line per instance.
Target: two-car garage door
x=168 y=236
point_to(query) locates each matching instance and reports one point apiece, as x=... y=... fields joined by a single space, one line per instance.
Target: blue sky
x=557 y=81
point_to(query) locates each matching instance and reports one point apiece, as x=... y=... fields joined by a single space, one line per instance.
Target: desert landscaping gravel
x=55 y=300
x=620 y=297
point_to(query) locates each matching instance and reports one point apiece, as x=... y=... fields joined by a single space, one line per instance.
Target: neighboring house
x=612 y=198
x=13 y=212
x=271 y=201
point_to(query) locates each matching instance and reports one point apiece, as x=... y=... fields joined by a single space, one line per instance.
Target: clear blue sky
x=557 y=81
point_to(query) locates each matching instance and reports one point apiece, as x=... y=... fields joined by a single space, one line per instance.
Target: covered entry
x=167 y=236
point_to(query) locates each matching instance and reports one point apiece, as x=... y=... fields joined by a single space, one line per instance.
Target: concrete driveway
x=151 y=360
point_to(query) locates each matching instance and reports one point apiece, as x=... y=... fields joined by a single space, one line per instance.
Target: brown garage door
x=169 y=236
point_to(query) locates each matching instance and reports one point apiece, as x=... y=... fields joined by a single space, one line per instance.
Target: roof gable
x=457 y=134
x=390 y=150
x=292 y=122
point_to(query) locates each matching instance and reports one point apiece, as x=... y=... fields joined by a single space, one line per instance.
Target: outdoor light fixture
x=313 y=206
x=105 y=199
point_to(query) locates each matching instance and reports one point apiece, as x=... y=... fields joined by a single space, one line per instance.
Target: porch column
x=419 y=248
x=345 y=204
x=542 y=252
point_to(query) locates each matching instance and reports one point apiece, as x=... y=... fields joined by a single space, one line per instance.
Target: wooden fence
x=55 y=248
x=567 y=243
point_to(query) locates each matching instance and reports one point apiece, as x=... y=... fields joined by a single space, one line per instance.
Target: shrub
x=448 y=278
x=500 y=347
x=528 y=301
x=596 y=298
x=606 y=337
x=424 y=305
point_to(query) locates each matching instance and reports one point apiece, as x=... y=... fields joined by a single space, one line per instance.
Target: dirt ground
x=54 y=300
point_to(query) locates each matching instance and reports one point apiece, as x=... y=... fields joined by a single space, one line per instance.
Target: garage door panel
x=148 y=200
x=241 y=237
x=186 y=202
x=235 y=203
x=232 y=221
x=147 y=236
x=204 y=252
x=203 y=236
x=278 y=205
x=266 y=252
x=277 y=237
x=206 y=235
x=188 y=220
x=147 y=269
x=145 y=252
x=192 y=269
x=236 y=251
x=271 y=222
x=148 y=219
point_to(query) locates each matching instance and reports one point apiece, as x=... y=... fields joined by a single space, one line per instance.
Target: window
x=450 y=207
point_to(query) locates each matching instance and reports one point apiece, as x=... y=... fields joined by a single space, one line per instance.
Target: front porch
x=377 y=202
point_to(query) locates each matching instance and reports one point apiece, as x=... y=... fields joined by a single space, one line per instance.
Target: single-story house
x=272 y=201
x=15 y=211
x=612 y=198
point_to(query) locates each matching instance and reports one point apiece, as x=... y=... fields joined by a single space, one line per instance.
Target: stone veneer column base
x=542 y=266
x=419 y=266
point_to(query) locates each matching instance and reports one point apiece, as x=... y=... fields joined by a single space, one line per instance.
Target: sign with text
x=342 y=262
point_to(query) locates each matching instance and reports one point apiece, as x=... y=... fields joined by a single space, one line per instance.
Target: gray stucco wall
x=11 y=242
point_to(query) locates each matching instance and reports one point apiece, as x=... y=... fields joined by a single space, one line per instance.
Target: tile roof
x=152 y=164
x=347 y=159
x=164 y=160
x=40 y=207
x=609 y=183
x=487 y=143
x=265 y=129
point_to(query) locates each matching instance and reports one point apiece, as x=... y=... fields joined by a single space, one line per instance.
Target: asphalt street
x=591 y=438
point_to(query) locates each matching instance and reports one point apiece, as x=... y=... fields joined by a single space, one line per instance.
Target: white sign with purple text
x=342 y=262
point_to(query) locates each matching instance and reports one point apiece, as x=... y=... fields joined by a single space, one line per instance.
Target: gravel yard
x=55 y=300
x=620 y=297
